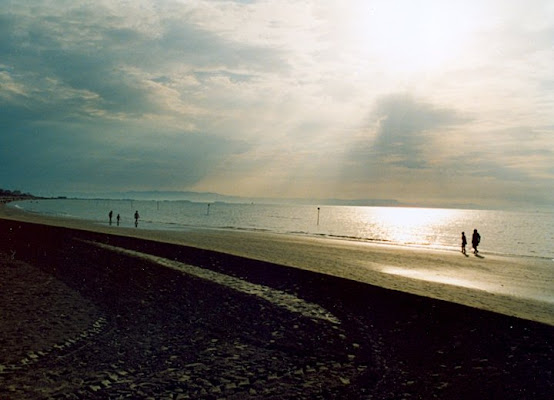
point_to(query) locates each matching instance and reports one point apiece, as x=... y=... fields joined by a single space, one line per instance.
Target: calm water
x=502 y=232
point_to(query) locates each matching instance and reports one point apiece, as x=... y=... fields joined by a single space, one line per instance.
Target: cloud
x=401 y=133
x=413 y=149
x=92 y=95
x=295 y=98
x=131 y=68
x=75 y=156
x=405 y=129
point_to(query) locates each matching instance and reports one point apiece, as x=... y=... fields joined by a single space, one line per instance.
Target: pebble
x=344 y=381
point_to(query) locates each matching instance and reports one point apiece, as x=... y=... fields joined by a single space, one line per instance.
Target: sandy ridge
x=277 y=297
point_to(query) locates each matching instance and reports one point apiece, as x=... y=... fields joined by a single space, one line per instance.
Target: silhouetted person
x=110 y=215
x=464 y=242
x=137 y=216
x=475 y=239
x=117 y=219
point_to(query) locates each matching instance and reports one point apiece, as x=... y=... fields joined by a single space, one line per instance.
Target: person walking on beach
x=475 y=240
x=137 y=216
x=118 y=218
x=464 y=242
x=110 y=215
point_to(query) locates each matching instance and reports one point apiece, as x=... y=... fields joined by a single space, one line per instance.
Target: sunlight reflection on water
x=409 y=225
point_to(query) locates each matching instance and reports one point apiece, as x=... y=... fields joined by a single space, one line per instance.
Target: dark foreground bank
x=83 y=322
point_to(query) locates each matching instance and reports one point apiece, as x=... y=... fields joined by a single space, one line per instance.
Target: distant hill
x=209 y=197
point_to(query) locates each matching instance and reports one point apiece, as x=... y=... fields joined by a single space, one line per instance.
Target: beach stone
x=344 y=381
x=244 y=382
x=113 y=377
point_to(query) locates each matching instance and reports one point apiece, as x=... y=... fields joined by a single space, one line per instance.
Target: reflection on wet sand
x=518 y=284
x=434 y=276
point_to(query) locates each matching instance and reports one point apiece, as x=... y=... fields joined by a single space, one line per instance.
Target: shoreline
x=145 y=325
x=150 y=225
x=514 y=286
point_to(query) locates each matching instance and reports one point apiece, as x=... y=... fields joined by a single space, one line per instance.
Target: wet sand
x=126 y=313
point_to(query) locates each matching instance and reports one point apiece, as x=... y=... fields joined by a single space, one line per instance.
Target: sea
x=511 y=233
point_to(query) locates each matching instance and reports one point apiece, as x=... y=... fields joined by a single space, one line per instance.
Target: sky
x=425 y=102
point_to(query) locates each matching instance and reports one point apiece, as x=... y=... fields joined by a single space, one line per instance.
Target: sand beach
x=93 y=311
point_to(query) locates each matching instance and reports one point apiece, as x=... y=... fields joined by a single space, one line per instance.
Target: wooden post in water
x=318 y=216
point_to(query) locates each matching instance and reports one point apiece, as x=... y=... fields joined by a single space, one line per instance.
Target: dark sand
x=80 y=321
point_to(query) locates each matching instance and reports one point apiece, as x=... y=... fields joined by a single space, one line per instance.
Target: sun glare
x=410 y=217
x=411 y=36
x=407 y=225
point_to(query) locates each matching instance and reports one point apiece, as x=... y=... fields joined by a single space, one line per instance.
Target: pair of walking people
x=110 y=215
x=475 y=240
x=118 y=218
